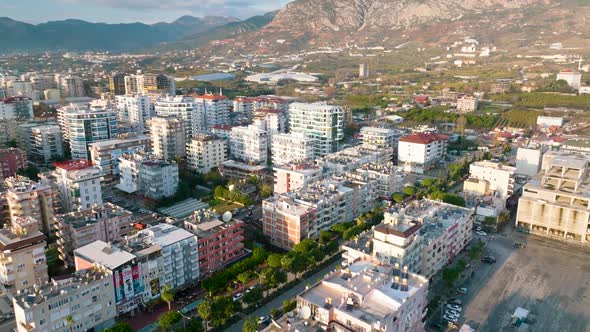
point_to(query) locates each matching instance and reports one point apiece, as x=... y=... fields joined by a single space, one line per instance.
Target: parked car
x=263 y=319
x=450 y=319
x=518 y=245
x=455 y=301
x=481 y=233
x=489 y=260
x=237 y=296
x=462 y=290
x=454 y=307
x=453 y=314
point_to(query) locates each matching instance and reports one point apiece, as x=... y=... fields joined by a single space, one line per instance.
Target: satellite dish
x=305 y=312
x=226 y=216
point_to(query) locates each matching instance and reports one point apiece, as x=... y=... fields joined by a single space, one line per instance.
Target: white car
x=263 y=319
x=237 y=296
x=451 y=319
x=462 y=290
x=452 y=313
x=481 y=233
x=454 y=307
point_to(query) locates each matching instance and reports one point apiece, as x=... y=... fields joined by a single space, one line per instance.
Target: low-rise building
x=108 y=223
x=205 y=152
x=500 y=178
x=87 y=297
x=421 y=151
x=220 y=241
x=151 y=177
x=388 y=178
x=242 y=171
x=467 y=104
x=292 y=177
x=11 y=160
x=572 y=77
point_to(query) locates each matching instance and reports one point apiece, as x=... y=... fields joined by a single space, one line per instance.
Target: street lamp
x=442 y=302
x=183 y=319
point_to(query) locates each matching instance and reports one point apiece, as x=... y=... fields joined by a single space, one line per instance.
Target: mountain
x=77 y=35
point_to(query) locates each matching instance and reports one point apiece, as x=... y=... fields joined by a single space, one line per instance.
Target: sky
x=125 y=11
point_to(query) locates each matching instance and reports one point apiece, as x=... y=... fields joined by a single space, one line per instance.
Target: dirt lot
x=551 y=279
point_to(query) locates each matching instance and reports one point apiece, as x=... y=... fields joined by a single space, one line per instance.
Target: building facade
x=26 y=198
x=105 y=155
x=292 y=148
x=320 y=121
x=167 y=138
x=292 y=177
x=205 y=152
x=11 y=160
x=499 y=177
x=421 y=151
x=249 y=144
x=19 y=108
x=78 y=184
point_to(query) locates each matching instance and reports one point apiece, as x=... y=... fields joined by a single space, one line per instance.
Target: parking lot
x=550 y=279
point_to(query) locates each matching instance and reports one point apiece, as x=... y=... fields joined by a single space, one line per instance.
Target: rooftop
x=184 y=208
x=104 y=254
x=161 y=235
x=72 y=165
x=78 y=219
x=115 y=142
x=423 y=138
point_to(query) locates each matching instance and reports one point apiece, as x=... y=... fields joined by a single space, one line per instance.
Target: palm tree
x=70 y=322
x=250 y=324
x=168 y=296
x=205 y=310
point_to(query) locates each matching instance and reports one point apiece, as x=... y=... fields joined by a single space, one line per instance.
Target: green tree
x=205 y=310
x=253 y=296
x=70 y=322
x=272 y=278
x=289 y=305
x=409 y=191
x=244 y=277
x=342 y=227
x=398 y=197
x=169 y=319
x=274 y=260
x=250 y=324
x=120 y=327
x=265 y=191
x=168 y=296
x=449 y=276
x=325 y=237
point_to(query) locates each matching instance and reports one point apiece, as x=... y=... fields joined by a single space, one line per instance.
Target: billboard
x=155 y=286
x=128 y=283
x=137 y=280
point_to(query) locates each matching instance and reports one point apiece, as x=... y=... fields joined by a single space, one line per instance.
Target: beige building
x=27 y=198
x=108 y=223
x=467 y=104
x=167 y=138
x=556 y=203
x=286 y=222
x=22 y=255
x=295 y=176
x=205 y=152
x=88 y=297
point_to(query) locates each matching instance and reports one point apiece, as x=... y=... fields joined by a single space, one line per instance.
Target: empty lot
x=550 y=279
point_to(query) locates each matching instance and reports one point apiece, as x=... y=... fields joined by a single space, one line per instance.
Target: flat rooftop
x=184 y=208
x=104 y=254
x=82 y=218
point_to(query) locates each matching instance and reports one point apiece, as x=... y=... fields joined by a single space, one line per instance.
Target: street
x=547 y=278
x=291 y=293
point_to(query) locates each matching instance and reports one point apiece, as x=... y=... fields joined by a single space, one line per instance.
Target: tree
x=449 y=275
x=169 y=319
x=272 y=278
x=289 y=305
x=70 y=321
x=398 y=197
x=168 y=296
x=265 y=191
x=244 y=277
x=274 y=260
x=120 y=327
x=250 y=324
x=325 y=237
x=253 y=296
x=409 y=191
x=205 y=310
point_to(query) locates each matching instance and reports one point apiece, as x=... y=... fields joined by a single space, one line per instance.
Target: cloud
x=239 y=8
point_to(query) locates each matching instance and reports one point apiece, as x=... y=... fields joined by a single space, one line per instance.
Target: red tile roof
x=423 y=138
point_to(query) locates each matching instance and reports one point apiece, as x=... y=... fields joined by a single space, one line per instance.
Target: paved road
x=8 y=326
x=293 y=292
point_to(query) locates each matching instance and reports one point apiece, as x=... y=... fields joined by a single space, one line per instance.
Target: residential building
x=364 y=296
x=220 y=242
x=388 y=178
x=556 y=203
x=122 y=266
x=467 y=104
x=249 y=105
x=87 y=297
x=11 y=160
x=286 y=222
x=528 y=161
x=81 y=127
x=19 y=108
x=105 y=155
x=363 y=70
x=117 y=84
x=349 y=159
x=572 y=77
x=72 y=86
x=135 y=110
x=108 y=223
x=292 y=148
x=273 y=121
x=500 y=87
x=26 y=198
x=242 y=171
x=7 y=130
x=22 y=89
x=214 y=110
x=51 y=94
x=167 y=138
x=249 y=144
x=549 y=121
x=78 y=184
x=419 y=152
x=150 y=177
x=291 y=177
x=22 y=255
x=499 y=177
x=320 y=121
x=205 y=152
x=398 y=241
x=379 y=137
x=134 y=84
x=42 y=141
x=182 y=108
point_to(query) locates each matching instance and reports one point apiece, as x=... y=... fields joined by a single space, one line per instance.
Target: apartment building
x=87 y=296
x=151 y=177
x=71 y=86
x=135 y=110
x=291 y=177
x=528 y=161
x=249 y=144
x=81 y=127
x=214 y=110
x=220 y=242
x=292 y=148
x=42 y=141
x=242 y=171
x=108 y=223
x=499 y=178
x=205 y=152
x=379 y=137
x=555 y=203
x=8 y=130
x=467 y=104
x=419 y=152
x=249 y=105
x=20 y=108
x=271 y=120
x=572 y=77
x=349 y=159
x=183 y=109
x=22 y=255
x=320 y=121
x=286 y=222
x=398 y=241
x=11 y=160
x=26 y=198
x=500 y=87
x=117 y=84
x=167 y=138
x=388 y=178
x=364 y=296
x=122 y=266
x=78 y=184
x=105 y=155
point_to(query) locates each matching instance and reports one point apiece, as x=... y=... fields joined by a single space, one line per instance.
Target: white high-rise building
x=167 y=138
x=421 y=151
x=42 y=141
x=72 y=86
x=214 y=109
x=81 y=127
x=135 y=110
x=134 y=84
x=16 y=108
x=182 y=108
x=249 y=144
x=292 y=148
x=150 y=177
x=320 y=121
x=78 y=184
x=105 y=155
x=205 y=152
